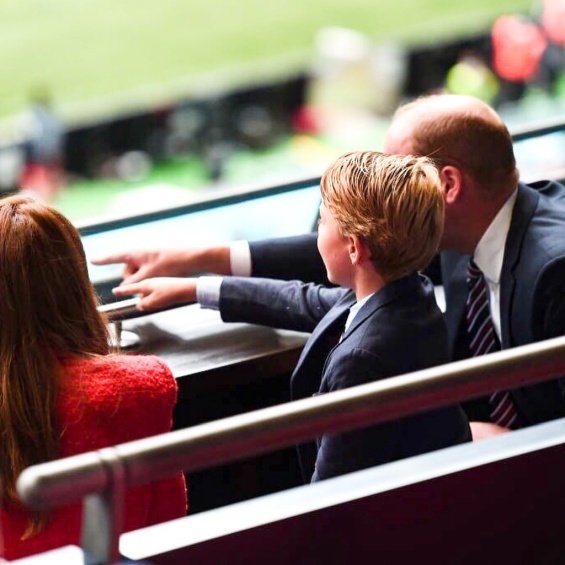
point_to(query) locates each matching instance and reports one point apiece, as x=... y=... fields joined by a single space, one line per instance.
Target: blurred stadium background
x=147 y=104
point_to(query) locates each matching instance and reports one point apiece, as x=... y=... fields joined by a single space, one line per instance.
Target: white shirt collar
x=354 y=309
x=489 y=252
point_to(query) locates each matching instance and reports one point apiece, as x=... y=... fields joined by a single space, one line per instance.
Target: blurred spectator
x=517 y=49
x=351 y=74
x=553 y=23
x=553 y=20
x=44 y=170
x=11 y=166
x=473 y=77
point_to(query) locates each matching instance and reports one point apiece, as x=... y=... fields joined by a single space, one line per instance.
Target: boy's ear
x=451 y=180
x=358 y=250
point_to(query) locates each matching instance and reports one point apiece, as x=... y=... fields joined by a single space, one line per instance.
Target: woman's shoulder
x=112 y=399
x=136 y=374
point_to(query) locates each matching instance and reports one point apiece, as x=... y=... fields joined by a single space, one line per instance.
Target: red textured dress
x=105 y=401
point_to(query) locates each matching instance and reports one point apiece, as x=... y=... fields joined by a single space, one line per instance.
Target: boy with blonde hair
x=381 y=221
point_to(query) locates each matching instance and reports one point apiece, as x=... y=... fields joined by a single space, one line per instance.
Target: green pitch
x=102 y=56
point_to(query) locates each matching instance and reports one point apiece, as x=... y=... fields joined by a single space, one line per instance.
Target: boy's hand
x=140 y=265
x=159 y=293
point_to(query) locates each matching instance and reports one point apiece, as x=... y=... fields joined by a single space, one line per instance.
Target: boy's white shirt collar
x=354 y=309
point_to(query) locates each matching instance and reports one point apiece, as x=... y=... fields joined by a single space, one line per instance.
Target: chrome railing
x=538 y=128
x=102 y=476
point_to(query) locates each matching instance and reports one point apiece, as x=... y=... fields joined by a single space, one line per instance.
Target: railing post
x=102 y=514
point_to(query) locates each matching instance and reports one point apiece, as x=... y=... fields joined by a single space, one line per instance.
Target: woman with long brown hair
x=61 y=390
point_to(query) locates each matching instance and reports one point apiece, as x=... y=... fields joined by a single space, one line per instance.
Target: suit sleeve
x=350 y=451
x=291 y=305
x=549 y=306
x=288 y=258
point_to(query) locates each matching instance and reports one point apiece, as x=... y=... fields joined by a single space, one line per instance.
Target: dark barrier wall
x=496 y=501
x=252 y=117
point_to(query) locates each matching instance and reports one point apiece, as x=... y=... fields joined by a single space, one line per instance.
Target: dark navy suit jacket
x=398 y=330
x=532 y=292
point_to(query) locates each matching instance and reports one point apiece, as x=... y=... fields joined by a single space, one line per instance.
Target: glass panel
x=288 y=213
x=541 y=157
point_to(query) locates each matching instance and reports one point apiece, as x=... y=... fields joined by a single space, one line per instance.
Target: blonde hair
x=394 y=203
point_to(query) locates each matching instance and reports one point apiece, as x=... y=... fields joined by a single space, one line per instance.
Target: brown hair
x=471 y=136
x=395 y=203
x=48 y=310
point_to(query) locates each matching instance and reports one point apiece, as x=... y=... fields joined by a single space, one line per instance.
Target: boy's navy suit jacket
x=532 y=288
x=398 y=330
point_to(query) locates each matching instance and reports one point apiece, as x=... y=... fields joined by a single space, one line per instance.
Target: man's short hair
x=473 y=139
x=394 y=202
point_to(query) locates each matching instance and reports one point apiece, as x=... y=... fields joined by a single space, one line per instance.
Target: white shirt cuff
x=240 y=259
x=208 y=292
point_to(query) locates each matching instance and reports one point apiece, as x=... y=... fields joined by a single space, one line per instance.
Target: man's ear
x=358 y=250
x=451 y=180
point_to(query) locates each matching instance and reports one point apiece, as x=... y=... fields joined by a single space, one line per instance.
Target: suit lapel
x=338 y=312
x=524 y=208
x=456 y=292
x=305 y=379
x=380 y=299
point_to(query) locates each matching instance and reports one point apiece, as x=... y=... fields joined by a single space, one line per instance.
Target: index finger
x=109 y=259
x=127 y=289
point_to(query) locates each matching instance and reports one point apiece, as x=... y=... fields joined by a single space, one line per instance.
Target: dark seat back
x=500 y=500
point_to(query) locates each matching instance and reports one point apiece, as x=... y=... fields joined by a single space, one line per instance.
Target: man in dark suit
x=514 y=232
x=391 y=322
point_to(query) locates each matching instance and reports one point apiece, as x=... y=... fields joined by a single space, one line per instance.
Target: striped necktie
x=483 y=339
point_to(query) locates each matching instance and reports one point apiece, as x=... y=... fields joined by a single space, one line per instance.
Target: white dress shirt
x=208 y=287
x=240 y=259
x=489 y=255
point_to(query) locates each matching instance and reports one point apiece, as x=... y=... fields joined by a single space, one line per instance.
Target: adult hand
x=159 y=293
x=482 y=430
x=143 y=264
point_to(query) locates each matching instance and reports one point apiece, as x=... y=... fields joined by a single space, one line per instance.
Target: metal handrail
x=102 y=476
x=127 y=309
x=122 y=310
x=61 y=481
x=539 y=128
